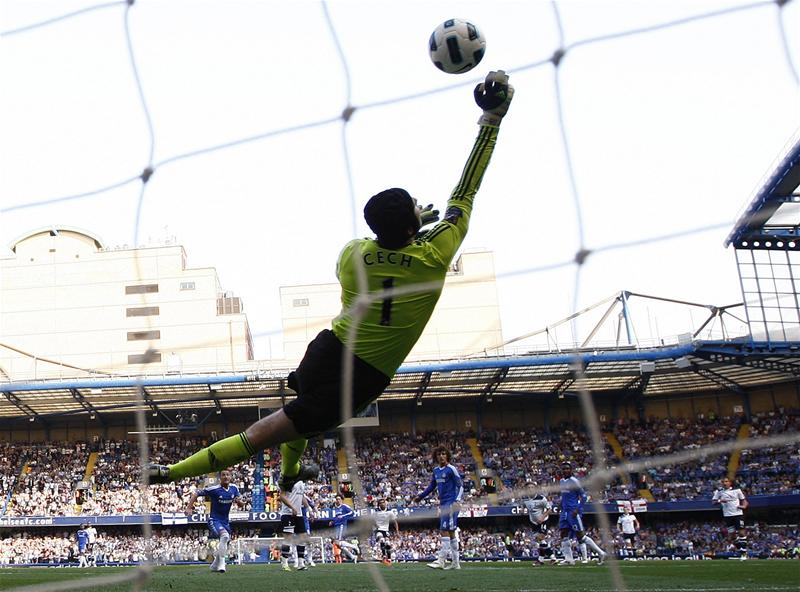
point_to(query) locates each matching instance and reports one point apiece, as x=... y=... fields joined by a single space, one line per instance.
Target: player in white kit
x=733 y=503
x=383 y=520
x=91 y=553
x=293 y=525
x=539 y=509
x=628 y=525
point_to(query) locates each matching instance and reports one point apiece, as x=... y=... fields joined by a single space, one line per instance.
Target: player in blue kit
x=222 y=497
x=342 y=514
x=570 y=522
x=82 y=537
x=449 y=487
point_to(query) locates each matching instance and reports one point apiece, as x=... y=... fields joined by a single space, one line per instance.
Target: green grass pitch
x=652 y=576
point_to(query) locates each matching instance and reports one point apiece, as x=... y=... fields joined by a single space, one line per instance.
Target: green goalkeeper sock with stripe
x=290 y=456
x=220 y=455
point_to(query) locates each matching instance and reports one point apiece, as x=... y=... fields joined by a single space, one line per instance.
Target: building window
x=142 y=311
x=143 y=335
x=300 y=302
x=149 y=358
x=229 y=305
x=142 y=289
x=187 y=285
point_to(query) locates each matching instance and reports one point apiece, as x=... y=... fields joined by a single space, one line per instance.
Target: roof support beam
x=87 y=406
x=423 y=386
x=635 y=390
x=565 y=383
x=719 y=379
x=727 y=383
x=151 y=403
x=645 y=381
x=282 y=391
x=25 y=408
x=751 y=361
x=491 y=387
x=212 y=392
x=576 y=369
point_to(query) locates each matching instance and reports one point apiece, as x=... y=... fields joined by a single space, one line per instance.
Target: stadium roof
x=700 y=366
x=774 y=212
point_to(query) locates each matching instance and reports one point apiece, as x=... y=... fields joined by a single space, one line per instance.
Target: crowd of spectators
x=24 y=547
x=167 y=547
x=115 y=480
x=46 y=484
x=766 y=471
x=658 y=539
x=703 y=539
x=695 y=479
x=51 y=479
x=398 y=466
x=325 y=453
x=9 y=471
x=423 y=544
x=693 y=539
x=524 y=459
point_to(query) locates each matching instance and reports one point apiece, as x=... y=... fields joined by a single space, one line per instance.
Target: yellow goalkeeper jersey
x=392 y=324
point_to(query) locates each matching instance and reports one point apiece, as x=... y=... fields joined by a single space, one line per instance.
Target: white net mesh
x=251 y=129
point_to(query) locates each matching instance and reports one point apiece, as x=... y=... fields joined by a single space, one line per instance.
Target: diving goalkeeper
x=401 y=256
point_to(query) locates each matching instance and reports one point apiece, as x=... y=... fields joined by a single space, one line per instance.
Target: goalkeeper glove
x=494 y=96
x=427 y=216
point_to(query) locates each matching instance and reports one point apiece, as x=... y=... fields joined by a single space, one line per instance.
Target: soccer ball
x=456 y=46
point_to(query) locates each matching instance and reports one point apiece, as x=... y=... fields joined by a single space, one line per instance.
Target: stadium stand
x=658 y=539
x=396 y=466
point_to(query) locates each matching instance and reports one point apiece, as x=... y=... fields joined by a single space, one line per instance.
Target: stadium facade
x=69 y=302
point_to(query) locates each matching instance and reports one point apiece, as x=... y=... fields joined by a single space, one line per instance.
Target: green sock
x=290 y=456
x=218 y=456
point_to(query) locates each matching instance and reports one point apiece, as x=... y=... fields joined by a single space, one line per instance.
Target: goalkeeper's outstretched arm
x=493 y=96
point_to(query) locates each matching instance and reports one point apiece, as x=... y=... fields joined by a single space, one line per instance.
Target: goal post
x=260 y=549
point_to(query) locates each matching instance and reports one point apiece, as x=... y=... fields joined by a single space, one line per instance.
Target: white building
x=68 y=302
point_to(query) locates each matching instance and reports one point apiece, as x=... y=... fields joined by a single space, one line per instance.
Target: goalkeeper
x=400 y=257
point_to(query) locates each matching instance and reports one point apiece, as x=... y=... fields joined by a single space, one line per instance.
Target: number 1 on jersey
x=386 y=309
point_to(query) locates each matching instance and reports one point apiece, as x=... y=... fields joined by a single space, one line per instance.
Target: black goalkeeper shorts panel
x=318 y=381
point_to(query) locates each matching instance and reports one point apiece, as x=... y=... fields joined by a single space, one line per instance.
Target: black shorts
x=318 y=381
x=291 y=524
x=734 y=522
x=540 y=526
x=629 y=536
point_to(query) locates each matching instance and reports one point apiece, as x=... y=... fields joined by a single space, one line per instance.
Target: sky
x=666 y=131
